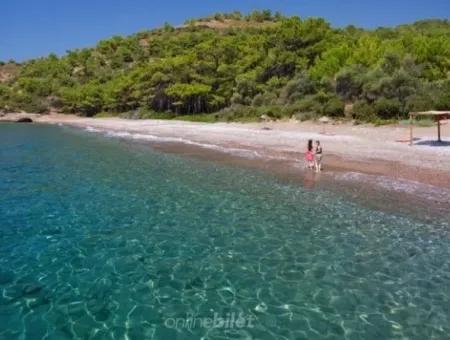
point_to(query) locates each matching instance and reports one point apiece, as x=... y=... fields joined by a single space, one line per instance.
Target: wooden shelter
x=437 y=116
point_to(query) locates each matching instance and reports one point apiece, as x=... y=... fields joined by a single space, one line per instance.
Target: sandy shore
x=348 y=149
x=367 y=149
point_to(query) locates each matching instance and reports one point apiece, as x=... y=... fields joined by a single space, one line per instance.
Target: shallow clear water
x=104 y=239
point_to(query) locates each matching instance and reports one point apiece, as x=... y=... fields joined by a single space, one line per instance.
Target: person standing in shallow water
x=309 y=156
x=318 y=156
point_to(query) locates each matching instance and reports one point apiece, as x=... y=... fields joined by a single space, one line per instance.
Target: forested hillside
x=235 y=67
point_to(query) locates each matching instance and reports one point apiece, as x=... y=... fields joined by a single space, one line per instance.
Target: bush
x=35 y=106
x=419 y=103
x=266 y=98
x=318 y=105
x=23 y=101
x=297 y=88
x=349 y=82
x=105 y=114
x=145 y=113
x=304 y=116
x=204 y=118
x=442 y=102
x=238 y=112
x=334 y=108
x=290 y=110
x=309 y=104
x=388 y=108
x=364 y=112
x=381 y=109
x=271 y=111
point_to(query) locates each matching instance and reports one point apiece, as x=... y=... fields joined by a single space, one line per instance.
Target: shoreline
x=352 y=154
x=365 y=149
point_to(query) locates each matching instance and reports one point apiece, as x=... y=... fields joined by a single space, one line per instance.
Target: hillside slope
x=243 y=67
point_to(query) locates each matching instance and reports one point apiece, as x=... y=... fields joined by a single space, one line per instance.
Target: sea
x=107 y=238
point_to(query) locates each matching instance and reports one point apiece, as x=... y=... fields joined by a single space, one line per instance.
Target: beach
x=362 y=162
x=381 y=151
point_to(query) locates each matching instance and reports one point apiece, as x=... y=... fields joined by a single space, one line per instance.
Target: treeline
x=255 y=16
x=290 y=67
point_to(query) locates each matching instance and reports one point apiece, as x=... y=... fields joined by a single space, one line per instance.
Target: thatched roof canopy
x=435 y=114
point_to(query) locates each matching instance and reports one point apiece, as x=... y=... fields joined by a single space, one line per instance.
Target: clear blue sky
x=33 y=28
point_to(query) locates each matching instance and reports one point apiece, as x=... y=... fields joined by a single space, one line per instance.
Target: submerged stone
x=6 y=276
x=31 y=289
x=195 y=283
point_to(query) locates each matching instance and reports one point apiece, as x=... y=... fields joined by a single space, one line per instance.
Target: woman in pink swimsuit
x=309 y=156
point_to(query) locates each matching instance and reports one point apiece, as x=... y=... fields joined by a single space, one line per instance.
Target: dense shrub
x=362 y=111
x=334 y=107
x=388 y=108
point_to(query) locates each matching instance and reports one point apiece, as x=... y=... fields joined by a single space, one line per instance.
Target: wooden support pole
x=439 y=129
x=410 y=129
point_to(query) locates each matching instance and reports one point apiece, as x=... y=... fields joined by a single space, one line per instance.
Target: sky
x=34 y=28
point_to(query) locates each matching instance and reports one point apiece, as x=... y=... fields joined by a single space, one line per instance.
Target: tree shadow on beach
x=433 y=143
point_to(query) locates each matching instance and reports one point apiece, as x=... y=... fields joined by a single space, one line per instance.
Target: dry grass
x=8 y=72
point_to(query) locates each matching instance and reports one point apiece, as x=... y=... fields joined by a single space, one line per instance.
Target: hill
x=235 y=67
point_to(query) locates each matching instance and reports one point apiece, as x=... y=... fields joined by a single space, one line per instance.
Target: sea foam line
x=427 y=191
x=139 y=136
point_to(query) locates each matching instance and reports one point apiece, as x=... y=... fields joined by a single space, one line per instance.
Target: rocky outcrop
x=20 y=117
x=24 y=120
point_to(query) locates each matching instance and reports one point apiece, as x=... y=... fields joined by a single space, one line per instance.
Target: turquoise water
x=104 y=239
